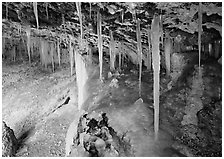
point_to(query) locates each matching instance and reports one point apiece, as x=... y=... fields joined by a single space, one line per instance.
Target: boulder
x=9 y=141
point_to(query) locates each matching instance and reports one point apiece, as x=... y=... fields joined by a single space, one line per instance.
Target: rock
x=100 y=146
x=210 y=117
x=139 y=101
x=78 y=151
x=192 y=136
x=9 y=141
x=183 y=149
x=116 y=74
x=114 y=83
x=109 y=75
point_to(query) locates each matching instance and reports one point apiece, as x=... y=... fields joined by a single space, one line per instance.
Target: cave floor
x=40 y=106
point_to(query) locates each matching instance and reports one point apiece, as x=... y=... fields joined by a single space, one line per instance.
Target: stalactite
x=123 y=55
x=52 y=50
x=38 y=46
x=199 y=33
x=36 y=13
x=210 y=49
x=90 y=10
x=90 y=54
x=3 y=45
x=122 y=16
x=139 y=48
x=63 y=18
x=100 y=43
x=71 y=55
x=112 y=52
x=217 y=48
x=167 y=51
x=59 y=52
x=7 y=9
x=155 y=35
x=19 y=28
x=32 y=45
x=42 y=52
x=78 y=6
x=13 y=53
x=161 y=29
x=134 y=18
x=119 y=57
x=28 y=42
x=46 y=8
x=19 y=48
x=149 y=55
x=81 y=78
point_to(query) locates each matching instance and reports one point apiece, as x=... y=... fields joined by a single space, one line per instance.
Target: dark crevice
x=66 y=101
x=54 y=109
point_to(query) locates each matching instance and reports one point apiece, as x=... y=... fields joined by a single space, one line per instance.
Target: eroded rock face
x=9 y=141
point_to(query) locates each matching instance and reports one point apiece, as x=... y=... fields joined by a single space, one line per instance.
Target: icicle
x=36 y=13
x=119 y=59
x=100 y=43
x=78 y=6
x=90 y=10
x=46 y=8
x=112 y=51
x=161 y=29
x=155 y=35
x=81 y=78
x=210 y=49
x=7 y=9
x=167 y=51
x=28 y=42
x=71 y=55
x=3 y=45
x=90 y=55
x=19 y=28
x=31 y=47
x=122 y=59
x=149 y=54
x=62 y=18
x=122 y=16
x=199 y=35
x=217 y=48
x=52 y=54
x=44 y=50
x=14 y=53
x=58 y=51
x=139 y=48
x=134 y=15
